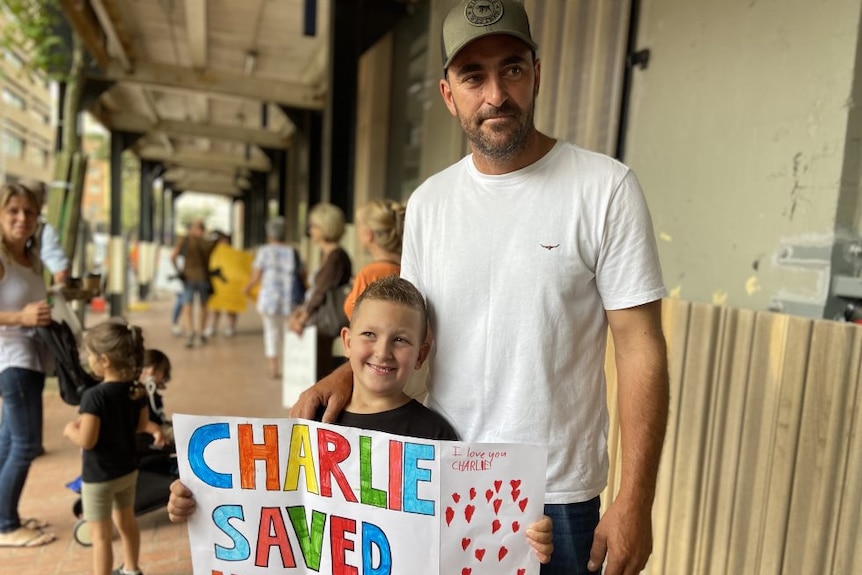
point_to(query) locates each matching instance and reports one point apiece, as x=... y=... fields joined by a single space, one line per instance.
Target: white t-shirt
x=518 y=270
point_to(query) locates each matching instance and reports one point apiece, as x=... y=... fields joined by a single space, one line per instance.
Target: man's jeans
x=574 y=525
x=20 y=437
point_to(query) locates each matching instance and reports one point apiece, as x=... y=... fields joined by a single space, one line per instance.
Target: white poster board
x=296 y=496
x=299 y=364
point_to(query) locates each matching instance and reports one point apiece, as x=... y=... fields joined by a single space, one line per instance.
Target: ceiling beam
x=110 y=30
x=226 y=188
x=83 y=21
x=174 y=128
x=202 y=160
x=287 y=93
x=196 y=27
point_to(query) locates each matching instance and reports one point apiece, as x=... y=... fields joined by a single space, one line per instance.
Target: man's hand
x=333 y=391
x=181 y=504
x=540 y=537
x=624 y=535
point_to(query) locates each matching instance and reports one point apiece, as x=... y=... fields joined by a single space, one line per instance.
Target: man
x=527 y=250
x=195 y=250
x=50 y=250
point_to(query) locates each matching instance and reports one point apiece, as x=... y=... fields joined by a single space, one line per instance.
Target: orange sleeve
x=368 y=275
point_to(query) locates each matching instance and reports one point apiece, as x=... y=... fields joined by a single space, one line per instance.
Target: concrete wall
x=738 y=133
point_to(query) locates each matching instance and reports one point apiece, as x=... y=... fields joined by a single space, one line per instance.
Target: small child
x=155 y=375
x=111 y=413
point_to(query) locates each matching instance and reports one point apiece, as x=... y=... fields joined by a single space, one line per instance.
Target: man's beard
x=493 y=148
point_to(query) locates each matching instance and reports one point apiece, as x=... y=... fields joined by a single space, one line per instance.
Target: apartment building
x=27 y=131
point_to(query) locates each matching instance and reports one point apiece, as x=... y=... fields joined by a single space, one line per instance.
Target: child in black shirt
x=111 y=413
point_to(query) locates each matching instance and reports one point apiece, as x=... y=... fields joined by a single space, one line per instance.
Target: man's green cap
x=474 y=19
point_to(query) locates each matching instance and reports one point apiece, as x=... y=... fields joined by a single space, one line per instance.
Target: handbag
x=329 y=317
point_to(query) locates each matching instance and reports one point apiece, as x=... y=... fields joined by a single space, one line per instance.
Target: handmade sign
x=296 y=496
x=299 y=364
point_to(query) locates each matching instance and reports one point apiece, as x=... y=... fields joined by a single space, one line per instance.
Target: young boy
x=155 y=376
x=384 y=342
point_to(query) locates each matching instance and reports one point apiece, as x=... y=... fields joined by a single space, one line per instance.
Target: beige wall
x=737 y=134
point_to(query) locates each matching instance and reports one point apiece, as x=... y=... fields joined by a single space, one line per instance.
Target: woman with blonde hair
x=325 y=228
x=23 y=357
x=380 y=231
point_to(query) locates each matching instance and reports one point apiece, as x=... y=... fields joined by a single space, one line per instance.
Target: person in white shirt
x=50 y=250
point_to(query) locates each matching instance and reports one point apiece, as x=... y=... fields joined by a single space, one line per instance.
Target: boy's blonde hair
x=396 y=290
x=385 y=218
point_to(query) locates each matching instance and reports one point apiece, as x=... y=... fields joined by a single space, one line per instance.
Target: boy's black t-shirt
x=412 y=419
x=115 y=452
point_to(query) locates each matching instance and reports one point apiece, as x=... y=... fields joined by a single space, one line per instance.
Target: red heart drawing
x=468 y=512
x=467 y=571
x=497 y=503
x=515 y=483
x=515 y=494
x=472 y=493
x=450 y=513
x=497 y=485
x=522 y=503
x=479 y=553
x=515 y=526
x=465 y=542
x=495 y=526
x=502 y=553
x=520 y=571
x=488 y=495
x=456 y=497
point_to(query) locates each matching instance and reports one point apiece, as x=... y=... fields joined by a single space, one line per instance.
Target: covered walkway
x=226 y=377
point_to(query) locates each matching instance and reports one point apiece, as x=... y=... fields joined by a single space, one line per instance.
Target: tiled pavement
x=226 y=377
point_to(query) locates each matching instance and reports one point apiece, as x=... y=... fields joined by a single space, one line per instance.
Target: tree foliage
x=34 y=28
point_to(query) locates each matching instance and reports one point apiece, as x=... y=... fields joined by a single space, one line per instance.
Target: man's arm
x=624 y=533
x=52 y=253
x=333 y=391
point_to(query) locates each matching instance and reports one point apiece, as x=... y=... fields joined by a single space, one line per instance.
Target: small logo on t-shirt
x=549 y=247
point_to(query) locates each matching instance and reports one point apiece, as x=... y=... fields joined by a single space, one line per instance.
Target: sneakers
x=228 y=332
x=208 y=332
x=176 y=330
x=190 y=341
x=203 y=339
x=120 y=571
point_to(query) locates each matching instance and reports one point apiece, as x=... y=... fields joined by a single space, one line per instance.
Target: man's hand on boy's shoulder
x=333 y=392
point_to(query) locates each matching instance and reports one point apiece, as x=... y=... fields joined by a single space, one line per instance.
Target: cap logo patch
x=483 y=12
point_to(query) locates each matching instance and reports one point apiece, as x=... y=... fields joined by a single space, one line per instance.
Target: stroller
x=157 y=467
x=156 y=473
